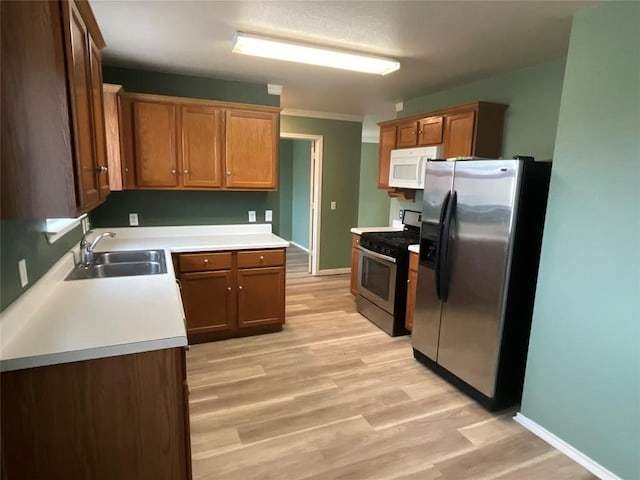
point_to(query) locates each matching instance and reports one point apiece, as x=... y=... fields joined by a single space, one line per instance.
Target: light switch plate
x=333 y=205
x=252 y=215
x=22 y=268
x=268 y=215
x=133 y=219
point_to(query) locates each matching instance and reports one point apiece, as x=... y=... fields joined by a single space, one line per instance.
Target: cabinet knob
x=206 y=260
x=102 y=169
x=413 y=132
x=240 y=287
x=229 y=288
x=419 y=132
x=408 y=281
x=228 y=174
x=173 y=171
x=261 y=257
x=186 y=172
x=126 y=169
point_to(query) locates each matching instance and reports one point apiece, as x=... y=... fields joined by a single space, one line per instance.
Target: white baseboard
x=570 y=451
x=299 y=246
x=334 y=271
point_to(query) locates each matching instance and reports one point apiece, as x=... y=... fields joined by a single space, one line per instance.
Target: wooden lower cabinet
x=124 y=417
x=355 y=262
x=412 y=286
x=232 y=294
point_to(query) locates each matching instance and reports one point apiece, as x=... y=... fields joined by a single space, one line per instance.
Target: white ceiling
x=439 y=43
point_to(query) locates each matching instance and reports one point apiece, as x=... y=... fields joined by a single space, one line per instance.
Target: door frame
x=315 y=196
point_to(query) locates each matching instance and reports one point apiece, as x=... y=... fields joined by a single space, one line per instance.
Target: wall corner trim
x=565 y=448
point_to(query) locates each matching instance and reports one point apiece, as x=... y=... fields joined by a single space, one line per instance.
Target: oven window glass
x=376 y=277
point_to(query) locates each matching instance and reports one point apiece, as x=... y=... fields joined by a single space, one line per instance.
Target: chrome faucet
x=86 y=247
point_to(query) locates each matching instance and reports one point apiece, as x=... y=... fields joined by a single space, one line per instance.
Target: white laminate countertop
x=414 y=248
x=361 y=230
x=58 y=321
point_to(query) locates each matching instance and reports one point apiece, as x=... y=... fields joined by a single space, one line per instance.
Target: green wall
x=583 y=369
x=285 y=187
x=174 y=84
x=300 y=200
x=533 y=96
x=340 y=183
x=373 y=204
x=26 y=239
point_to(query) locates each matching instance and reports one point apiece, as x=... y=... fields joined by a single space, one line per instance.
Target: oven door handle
x=377 y=255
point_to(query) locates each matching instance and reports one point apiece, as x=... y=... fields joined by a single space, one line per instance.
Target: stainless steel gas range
x=383 y=271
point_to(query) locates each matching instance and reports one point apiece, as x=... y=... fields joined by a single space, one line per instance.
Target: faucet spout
x=86 y=248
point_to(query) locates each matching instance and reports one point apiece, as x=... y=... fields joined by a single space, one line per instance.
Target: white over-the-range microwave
x=406 y=169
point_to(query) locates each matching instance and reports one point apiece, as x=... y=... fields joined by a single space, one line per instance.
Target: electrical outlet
x=133 y=219
x=400 y=212
x=333 y=205
x=268 y=215
x=22 y=268
x=252 y=215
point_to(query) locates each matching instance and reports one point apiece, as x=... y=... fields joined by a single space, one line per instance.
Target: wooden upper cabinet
x=97 y=106
x=201 y=146
x=156 y=163
x=78 y=59
x=251 y=150
x=387 y=143
x=430 y=131
x=459 y=135
x=407 y=135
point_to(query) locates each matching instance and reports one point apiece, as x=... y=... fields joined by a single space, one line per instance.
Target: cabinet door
x=251 y=152
x=407 y=135
x=355 y=243
x=260 y=296
x=209 y=301
x=430 y=131
x=412 y=285
x=155 y=147
x=80 y=87
x=201 y=146
x=387 y=143
x=459 y=135
x=97 y=104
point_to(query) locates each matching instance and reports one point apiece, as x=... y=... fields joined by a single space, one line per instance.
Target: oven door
x=377 y=279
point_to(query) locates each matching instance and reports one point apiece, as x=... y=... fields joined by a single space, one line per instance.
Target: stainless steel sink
x=122 y=264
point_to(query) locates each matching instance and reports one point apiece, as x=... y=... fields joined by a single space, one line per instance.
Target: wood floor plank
x=334 y=397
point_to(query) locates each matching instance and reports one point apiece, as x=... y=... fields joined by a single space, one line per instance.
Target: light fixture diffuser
x=258 y=46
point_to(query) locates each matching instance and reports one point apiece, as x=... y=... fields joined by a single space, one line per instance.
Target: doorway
x=305 y=194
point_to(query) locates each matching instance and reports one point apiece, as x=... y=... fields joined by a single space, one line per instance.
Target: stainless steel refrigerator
x=481 y=232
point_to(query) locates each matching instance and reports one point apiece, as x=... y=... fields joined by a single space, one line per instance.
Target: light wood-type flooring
x=333 y=397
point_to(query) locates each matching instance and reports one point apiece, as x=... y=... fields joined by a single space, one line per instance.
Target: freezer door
x=426 y=322
x=480 y=251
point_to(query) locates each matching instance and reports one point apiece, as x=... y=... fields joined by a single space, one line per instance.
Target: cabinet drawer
x=355 y=242
x=200 y=262
x=261 y=258
x=413 y=261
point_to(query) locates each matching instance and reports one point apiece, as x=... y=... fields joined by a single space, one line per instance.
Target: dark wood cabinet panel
x=355 y=259
x=35 y=122
x=412 y=287
x=97 y=107
x=156 y=163
x=260 y=296
x=459 y=135
x=209 y=300
x=387 y=143
x=251 y=150
x=78 y=59
x=117 y=417
x=201 y=146
x=430 y=131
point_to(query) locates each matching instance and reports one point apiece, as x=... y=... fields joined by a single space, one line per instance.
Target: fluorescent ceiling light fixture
x=295 y=52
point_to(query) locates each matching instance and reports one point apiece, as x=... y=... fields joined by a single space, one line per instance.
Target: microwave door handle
x=377 y=255
x=439 y=243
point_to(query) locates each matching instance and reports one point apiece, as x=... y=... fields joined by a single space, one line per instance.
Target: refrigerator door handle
x=445 y=249
x=443 y=213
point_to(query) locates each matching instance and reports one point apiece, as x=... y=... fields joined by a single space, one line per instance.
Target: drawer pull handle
x=261 y=257
x=206 y=260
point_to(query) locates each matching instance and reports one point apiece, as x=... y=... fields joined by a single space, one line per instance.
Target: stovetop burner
x=392 y=244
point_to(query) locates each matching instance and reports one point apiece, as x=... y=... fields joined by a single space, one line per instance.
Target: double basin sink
x=122 y=264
